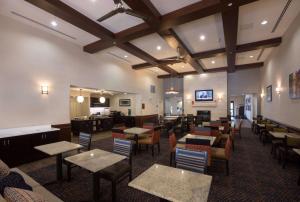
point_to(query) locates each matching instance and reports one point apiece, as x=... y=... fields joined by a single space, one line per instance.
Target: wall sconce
x=44 y=90
x=278 y=90
x=262 y=95
x=220 y=97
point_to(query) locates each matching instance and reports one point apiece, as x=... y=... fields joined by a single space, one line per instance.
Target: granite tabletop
x=173 y=184
x=12 y=132
x=203 y=137
x=95 y=160
x=136 y=131
x=281 y=135
x=297 y=151
x=58 y=147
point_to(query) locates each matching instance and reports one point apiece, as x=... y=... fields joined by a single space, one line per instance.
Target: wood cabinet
x=92 y=125
x=18 y=150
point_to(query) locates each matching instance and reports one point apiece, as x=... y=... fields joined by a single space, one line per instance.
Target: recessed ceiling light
x=213 y=62
x=202 y=37
x=251 y=56
x=182 y=66
x=229 y=4
x=93 y=1
x=158 y=47
x=54 y=23
x=125 y=56
x=264 y=22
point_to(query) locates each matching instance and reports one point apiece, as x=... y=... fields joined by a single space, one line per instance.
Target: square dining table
x=203 y=137
x=57 y=149
x=95 y=161
x=173 y=184
x=281 y=135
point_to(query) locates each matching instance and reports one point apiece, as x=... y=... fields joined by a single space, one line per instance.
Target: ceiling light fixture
x=229 y=4
x=251 y=56
x=80 y=98
x=264 y=22
x=102 y=100
x=125 y=56
x=202 y=37
x=213 y=62
x=171 y=90
x=54 y=23
x=158 y=47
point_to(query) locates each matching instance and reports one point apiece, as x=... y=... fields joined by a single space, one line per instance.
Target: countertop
x=12 y=132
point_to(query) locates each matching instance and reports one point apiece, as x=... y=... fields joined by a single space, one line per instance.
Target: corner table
x=94 y=161
x=173 y=184
x=57 y=149
x=203 y=137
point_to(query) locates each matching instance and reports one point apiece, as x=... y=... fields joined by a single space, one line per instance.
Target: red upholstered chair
x=172 y=144
x=152 y=140
x=201 y=148
x=204 y=133
x=223 y=154
x=118 y=135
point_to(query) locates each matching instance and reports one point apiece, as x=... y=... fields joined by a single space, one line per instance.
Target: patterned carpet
x=254 y=175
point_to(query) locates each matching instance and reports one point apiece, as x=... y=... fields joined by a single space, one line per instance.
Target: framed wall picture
x=294 y=85
x=124 y=102
x=269 y=93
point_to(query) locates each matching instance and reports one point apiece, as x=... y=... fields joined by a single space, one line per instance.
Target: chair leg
x=284 y=161
x=130 y=175
x=69 y=171
x=171 y=158
x=299 y=181
x=114 y=191
x=227 y=167
x=158 y=144
x=152 y=147
x=232 y=145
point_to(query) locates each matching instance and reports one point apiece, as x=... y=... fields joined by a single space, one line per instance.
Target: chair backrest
x=85 y=140
x=172 y=141
x=194 y=141
x=205 y=133
x=156 y=136
x=206 y=148
x=191 y=160
x=123 y=147
x=148 y=125
x=228 y=148
x=118 y=135
x=283 y=130
x=292 y=142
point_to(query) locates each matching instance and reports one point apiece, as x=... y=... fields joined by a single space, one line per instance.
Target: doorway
x=232 y=108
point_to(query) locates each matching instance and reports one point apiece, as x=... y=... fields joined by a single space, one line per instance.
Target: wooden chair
x=197 y=147
x=172 y=149
x=191 y=160
x=223 y=154
x=121 y=170
x=286 y=150
x=152 y=140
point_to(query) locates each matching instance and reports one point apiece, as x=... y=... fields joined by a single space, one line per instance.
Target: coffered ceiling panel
x=40 y=19
x=94 y=9
x=214 y=62
x=167 y=6
x=157 y=71
x=253 y=56
x=203 y=34
x=182 y=67
x=155 y=45
x=257 y=20
x=122 y=55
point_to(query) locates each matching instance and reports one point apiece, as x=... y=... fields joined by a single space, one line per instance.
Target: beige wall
x=215 y=81
x=283 y=61
x=30 y=57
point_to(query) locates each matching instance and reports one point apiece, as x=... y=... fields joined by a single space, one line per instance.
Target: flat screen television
x=204 y=95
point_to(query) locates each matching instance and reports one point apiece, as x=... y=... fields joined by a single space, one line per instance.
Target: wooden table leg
x=96 y=187
x=59 y=174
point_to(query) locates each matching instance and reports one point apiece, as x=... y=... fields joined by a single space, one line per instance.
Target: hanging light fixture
x=80 y=98
x=171 y=90
x=102 y=99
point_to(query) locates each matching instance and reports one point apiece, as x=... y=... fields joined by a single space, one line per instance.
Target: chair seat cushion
x=14 y=180
x=115 y=171
x=218 y=153
x=21 y=195
x=4 y=169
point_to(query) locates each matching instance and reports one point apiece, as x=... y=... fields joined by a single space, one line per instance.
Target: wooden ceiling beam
x=209 y=54
x=70 y=15
x=259 y=45
x=230 y=27
x=219 y=69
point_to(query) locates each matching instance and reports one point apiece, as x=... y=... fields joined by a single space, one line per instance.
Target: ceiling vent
x=281 y=15
x=42 y=25
x=244 y=27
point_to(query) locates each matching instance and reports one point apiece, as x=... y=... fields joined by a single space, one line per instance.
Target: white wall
x=283 y=61
x=215 y=81
x=30 y=57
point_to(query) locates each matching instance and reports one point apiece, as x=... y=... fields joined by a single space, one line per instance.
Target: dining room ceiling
x=212 y=35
